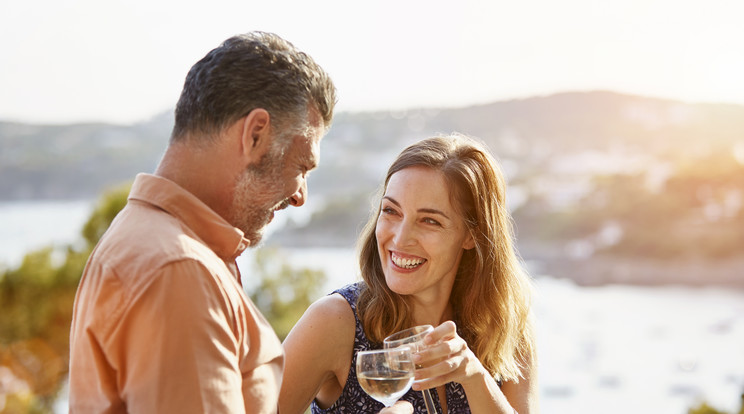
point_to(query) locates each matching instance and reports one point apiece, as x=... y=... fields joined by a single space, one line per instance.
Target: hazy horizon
x=170 y=110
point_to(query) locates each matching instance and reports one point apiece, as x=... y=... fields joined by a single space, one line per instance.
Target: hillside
x=604 y=187
x=76 y=161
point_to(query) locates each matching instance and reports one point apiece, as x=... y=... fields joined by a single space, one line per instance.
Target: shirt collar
x=224 y=239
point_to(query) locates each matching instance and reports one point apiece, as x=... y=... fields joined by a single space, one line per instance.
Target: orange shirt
x=161 y=323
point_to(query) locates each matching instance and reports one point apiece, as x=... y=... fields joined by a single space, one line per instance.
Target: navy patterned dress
x=354 y=400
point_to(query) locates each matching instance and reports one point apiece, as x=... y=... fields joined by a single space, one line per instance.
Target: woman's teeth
x=406 y=263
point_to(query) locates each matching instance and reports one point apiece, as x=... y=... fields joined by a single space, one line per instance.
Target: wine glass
x=385 y=374
x=414 y=338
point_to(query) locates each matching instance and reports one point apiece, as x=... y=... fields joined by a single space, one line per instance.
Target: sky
x=124 y=61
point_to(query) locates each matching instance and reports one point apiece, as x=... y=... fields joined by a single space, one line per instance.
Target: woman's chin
x=401 y=287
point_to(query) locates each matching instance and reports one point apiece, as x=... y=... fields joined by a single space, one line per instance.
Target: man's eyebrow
x=421 y=210
x=309 y=161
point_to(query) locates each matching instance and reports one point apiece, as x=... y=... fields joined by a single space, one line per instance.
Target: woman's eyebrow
x=421 y=210
x=433 y=211
x=392 y=200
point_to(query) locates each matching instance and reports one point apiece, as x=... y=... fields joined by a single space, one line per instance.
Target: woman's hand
x=446 y=358
x=400 y=407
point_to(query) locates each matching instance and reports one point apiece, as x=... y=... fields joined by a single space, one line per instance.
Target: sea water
x=610 y=349
x=31 y=225
x=617 y=349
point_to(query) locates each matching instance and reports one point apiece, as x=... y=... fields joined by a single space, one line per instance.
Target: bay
x=617 y=349
x=609 y=349
x=30 y=225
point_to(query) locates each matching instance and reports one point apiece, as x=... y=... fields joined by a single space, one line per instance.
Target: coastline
x=602 y=270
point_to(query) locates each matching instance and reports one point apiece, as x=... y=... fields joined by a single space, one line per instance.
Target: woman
x=438 y=251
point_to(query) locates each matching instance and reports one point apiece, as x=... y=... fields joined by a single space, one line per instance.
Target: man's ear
x=256 y=135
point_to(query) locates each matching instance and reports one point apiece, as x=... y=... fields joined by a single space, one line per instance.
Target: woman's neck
x=431 y=313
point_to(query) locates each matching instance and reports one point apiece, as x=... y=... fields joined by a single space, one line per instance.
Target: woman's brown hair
x=491 y=296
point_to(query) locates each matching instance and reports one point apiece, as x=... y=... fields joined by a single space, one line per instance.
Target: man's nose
x=297 y=199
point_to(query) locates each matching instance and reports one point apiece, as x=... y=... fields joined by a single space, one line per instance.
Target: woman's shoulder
x=328 y=326
x=335 y=311
x=349 y=292
x=332 y=306
x=318 y=350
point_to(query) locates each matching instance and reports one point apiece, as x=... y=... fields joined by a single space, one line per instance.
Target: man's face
x=278 y=180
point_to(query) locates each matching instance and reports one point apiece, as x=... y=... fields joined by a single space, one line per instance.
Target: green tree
x=36 y=299
x=705 y=408
x=283 y=292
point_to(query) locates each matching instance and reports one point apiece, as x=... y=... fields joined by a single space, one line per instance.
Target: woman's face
x=420 y=236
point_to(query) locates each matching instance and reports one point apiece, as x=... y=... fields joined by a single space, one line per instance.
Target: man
x=161 y=324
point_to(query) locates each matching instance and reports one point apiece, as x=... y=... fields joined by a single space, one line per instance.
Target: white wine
x=385 y=389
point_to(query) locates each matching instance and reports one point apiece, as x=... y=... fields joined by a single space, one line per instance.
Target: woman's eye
x=388 y=210
x=432 y=221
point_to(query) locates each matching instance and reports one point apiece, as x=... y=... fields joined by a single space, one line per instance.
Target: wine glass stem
x=429 y=401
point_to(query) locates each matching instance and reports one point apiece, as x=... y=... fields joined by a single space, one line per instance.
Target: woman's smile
x=406 y=262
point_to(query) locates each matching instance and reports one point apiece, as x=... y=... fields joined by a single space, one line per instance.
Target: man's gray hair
x=250 y=71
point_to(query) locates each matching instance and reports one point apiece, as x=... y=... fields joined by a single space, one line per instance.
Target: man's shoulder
x=144 y=239
x=136 y=251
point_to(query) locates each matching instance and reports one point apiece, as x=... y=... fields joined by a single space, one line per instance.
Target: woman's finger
x=444 y=331
x=440 y=368
x=441 y=350
x=446 y=371
x=400 y=407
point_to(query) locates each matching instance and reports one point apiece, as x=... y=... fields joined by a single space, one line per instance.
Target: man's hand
x=400 y=407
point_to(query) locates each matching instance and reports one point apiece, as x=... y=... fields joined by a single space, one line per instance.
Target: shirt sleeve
x=176 y=348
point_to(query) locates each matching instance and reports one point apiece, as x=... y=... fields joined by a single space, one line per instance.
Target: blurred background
x=619 y=126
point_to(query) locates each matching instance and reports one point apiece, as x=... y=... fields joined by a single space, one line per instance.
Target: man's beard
x=258 y=193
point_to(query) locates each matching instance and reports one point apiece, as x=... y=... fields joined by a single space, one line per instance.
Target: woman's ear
x=469 y=242
x=256 y=135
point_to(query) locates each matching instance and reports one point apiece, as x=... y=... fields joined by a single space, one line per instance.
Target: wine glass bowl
x=413 y=337
x=385 y=374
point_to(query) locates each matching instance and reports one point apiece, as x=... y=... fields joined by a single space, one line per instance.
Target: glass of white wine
x=414 y=338
x=385 y=374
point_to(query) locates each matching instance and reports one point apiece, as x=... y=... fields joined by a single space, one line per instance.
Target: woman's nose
x=404 y=234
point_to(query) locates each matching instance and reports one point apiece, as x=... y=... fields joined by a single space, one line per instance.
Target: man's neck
x=201 y=170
